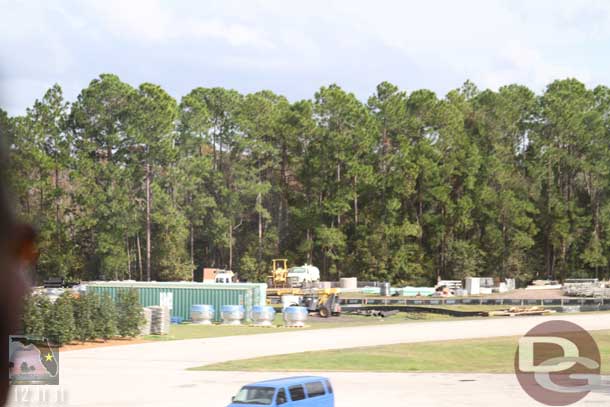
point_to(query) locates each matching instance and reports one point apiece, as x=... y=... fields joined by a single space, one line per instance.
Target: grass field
x=474 y=355
x=190 y=331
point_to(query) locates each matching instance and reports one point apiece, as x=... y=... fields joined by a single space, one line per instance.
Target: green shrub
x=106 y=317
x=85 y=308
x=130 y=313
x=35 y=314
x=60 y=326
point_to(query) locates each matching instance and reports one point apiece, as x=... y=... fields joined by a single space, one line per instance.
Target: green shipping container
x=180 y=296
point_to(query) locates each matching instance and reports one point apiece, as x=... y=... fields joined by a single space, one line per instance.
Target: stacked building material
x=160 y=320
x=415 y=291
x=450 y=284
x=473 y=285
x=145 y=327
x=586 y=289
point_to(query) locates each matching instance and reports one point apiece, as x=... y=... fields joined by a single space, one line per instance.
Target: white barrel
x=202 y=314
x=232 y=314
x=263 y=315
x=290 y=300
x=295 y=317
x=348 y=282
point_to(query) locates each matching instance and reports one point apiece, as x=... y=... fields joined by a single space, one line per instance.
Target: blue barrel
x=232 y=314
x=263 y=315
x=202 y=314
x=295 y=316
x=176 y=320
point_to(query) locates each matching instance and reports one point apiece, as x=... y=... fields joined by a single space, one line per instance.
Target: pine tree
x=406 y=188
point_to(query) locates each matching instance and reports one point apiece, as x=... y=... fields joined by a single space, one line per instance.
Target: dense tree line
x=128 y=183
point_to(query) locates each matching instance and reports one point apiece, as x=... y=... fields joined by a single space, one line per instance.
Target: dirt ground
x=101 y=344
x=522 y=293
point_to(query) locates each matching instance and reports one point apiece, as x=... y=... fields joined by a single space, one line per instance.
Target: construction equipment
x=279 y=273
x=302 y=275
x=325 y=302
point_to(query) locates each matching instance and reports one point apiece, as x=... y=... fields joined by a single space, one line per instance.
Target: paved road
x=153 y=374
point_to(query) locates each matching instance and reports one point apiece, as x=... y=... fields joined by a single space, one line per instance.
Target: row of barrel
x=203 y=314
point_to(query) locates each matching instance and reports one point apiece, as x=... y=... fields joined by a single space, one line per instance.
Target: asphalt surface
x=154 y=374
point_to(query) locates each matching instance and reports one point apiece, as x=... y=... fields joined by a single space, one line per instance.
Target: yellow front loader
x=279 y=272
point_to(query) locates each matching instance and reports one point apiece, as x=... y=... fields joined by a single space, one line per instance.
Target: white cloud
x=151 y=20
x=303 y=45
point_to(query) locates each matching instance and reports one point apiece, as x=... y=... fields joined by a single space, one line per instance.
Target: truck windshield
x=255 y=395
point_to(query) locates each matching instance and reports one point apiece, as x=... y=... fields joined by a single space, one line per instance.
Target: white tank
x=348 y=282
x=303 y=274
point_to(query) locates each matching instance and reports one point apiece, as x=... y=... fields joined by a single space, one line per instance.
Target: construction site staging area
x=405 y=334
x=157 y=374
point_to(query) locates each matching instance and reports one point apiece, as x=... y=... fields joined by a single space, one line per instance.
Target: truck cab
x=298 y=276
x=301 y=391
x=224 y=277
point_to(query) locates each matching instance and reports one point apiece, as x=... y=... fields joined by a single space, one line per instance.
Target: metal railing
x=477 y=301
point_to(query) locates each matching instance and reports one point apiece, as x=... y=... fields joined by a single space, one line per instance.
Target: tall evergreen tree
x=125 y=183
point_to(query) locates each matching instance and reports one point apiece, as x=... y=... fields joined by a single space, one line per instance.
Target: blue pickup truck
x=302 y=391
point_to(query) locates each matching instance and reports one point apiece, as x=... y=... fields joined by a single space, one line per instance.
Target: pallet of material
x=520 y=311
x=586 y=289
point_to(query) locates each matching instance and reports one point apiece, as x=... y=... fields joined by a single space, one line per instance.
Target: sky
x=293 y=48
